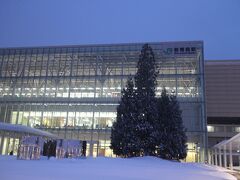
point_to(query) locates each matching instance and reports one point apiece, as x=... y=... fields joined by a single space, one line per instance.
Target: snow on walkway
x=141 y=168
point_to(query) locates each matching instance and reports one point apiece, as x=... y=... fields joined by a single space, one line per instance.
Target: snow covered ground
x=106 y=169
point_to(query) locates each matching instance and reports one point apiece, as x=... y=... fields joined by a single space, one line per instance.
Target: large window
x=55 y=119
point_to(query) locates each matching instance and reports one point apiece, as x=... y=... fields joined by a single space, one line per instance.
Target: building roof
x=223 y=62
x=25 y=129
x=234 y=141
x=196 y=42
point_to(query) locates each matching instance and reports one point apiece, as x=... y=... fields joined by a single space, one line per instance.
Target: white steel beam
x=225 y=157
x=230 y=156
x=215 y=155
x=220 y=156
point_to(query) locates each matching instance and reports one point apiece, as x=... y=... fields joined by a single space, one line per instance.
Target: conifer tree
x=145 y=83
x=172 y=139
x=123 y=141
x=147 y=125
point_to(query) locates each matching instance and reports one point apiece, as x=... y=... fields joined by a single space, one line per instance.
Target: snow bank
x=144 y=168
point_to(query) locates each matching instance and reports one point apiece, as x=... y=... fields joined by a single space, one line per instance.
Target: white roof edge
x=225 y=142
x=220 y=144
x=25 y=129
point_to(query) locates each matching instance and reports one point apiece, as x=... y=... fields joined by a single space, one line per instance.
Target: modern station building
x=73 y=91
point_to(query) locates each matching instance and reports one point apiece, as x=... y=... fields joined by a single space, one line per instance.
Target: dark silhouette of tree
x=123 y=141
x=145 y=124
x=172 y=139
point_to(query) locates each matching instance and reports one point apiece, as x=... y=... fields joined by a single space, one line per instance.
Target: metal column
x=225 y=156
x=230 y=156
x=212 y=159
x=215 y=155
x=220 y=157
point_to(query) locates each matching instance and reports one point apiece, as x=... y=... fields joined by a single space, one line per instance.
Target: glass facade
x=73 y=91
x=9 y=142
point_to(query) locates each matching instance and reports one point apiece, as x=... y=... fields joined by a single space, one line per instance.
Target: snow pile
x=145 y=168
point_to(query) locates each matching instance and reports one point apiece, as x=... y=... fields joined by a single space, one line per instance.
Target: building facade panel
x=223 y=88
x=222 y=99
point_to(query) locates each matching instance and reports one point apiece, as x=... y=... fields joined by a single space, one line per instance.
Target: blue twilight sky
x=70 y=22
